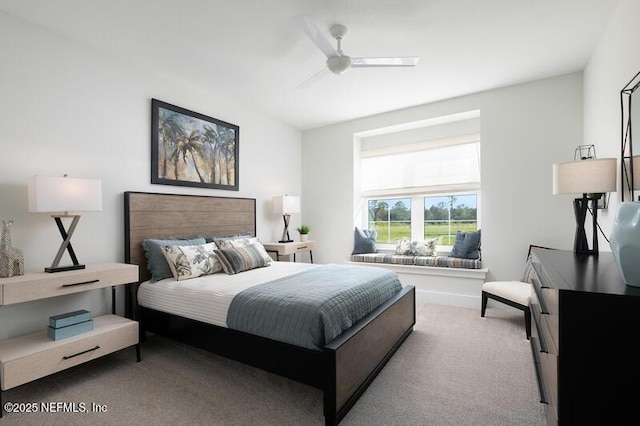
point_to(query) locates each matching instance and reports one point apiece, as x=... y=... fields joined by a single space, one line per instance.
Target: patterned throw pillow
x=192 y=261
x=225 y=243
x=403 y=246
x=416 y=248
x=156 y=262
x=240 y=259
x=424 y=248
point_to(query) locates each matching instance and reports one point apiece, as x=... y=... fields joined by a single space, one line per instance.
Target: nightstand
x=33 y=356
x=293 y=248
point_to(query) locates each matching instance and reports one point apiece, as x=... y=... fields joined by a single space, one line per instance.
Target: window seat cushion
x=434 y=261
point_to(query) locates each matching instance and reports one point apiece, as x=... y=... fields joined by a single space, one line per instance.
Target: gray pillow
x=156 y=262
x=364 y=241
x=467 y=245
x=239 y=259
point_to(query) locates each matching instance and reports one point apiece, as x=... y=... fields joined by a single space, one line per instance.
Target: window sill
x=478 y=274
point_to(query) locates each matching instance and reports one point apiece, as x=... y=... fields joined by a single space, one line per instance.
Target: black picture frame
x=192 y=149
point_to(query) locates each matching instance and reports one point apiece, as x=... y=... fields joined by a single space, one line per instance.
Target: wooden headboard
x=150 y=215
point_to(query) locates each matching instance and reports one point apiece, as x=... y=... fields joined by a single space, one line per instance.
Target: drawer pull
x=535 y=315
x=80 y=353
x=536 y=267
x=536 y=364
x=302 y=248
x=81 y=283
x=537 y=288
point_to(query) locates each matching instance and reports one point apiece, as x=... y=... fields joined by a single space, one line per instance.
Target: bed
x=343 y=368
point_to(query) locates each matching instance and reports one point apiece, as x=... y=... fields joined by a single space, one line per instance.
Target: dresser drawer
x=544 y=301
x=551 y=414
x=546 y=324
x=548 y=340
x=33 y=356
x=546 y=366
x=549 y=368
x=547 y=295
x=43 y=285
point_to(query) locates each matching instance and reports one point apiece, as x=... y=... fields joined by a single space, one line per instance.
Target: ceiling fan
x=337 y=61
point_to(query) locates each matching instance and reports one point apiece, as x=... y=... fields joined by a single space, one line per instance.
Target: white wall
x=612 y=65
x=67 y=108
x=524 y=130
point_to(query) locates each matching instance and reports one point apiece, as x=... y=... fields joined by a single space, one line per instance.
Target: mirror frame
x=626 y=153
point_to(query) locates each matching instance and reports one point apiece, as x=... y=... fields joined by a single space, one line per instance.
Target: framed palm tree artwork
x=191 y=149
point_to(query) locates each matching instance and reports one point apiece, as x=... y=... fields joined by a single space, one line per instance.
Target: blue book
x=70 y=330
x=69 y=318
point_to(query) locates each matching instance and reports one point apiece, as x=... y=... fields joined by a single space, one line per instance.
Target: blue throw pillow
x=156 y=262
x=364 y=241
x=467 y=245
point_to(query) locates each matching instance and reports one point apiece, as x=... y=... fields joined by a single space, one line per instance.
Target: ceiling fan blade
x=319 y=39
x=317 y=76
x=384 y=62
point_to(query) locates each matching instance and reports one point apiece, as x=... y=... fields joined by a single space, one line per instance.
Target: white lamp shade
x=585 y=176
x=64 y=194
x=286 y=204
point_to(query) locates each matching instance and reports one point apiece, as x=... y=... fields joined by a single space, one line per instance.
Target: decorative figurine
x=11 y=258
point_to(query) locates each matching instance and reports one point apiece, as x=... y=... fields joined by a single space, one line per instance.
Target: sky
x=467 y=200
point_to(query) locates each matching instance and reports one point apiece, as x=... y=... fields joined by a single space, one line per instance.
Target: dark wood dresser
x=585 y=339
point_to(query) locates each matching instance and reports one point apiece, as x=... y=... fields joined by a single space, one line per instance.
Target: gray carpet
x=454 y=369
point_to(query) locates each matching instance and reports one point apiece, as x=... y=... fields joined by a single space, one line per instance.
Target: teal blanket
x=311 y=308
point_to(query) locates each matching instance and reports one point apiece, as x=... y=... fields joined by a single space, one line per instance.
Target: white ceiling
x=253 y=52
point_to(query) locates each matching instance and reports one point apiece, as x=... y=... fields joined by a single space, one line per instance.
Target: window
x=446 y=214
x=421 y=190
x=443 y=216
x=391 y=218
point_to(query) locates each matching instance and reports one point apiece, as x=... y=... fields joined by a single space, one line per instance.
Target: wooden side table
x=288 y=249
x=32 y=356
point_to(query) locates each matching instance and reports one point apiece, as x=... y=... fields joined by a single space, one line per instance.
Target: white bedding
x=207 y=298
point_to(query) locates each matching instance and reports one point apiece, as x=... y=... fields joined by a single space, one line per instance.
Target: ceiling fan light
x=339 y=64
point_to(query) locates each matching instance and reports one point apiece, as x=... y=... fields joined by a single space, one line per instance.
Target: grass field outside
x=389 y=232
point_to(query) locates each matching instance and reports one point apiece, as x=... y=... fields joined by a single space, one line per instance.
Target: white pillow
x=416 y=248
x=424 y=248
x=192 y=261
x=403 y=246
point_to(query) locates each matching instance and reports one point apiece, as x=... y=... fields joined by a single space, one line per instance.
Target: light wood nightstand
x=288 y=249
x=33 y=356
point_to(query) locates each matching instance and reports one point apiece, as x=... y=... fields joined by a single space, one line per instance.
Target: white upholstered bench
x=513 y=293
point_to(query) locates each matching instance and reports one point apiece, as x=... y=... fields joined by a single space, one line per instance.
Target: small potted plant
x=304 y=232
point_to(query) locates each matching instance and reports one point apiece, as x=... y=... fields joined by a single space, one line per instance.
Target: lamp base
x=286 y=238
x=63 y=268
x=581 y=207
x=65 y=246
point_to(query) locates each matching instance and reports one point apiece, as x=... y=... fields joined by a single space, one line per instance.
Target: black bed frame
x=342 y=370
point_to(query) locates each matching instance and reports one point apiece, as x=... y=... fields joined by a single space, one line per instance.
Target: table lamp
x=592 y=178
x=61 y=195
x=285 y=205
